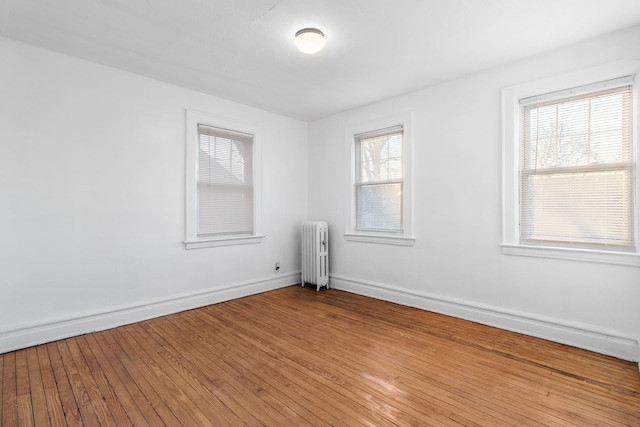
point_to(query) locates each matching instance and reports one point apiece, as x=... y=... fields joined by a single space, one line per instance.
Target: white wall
x=92 y=214
x=457 y=266
x=92 y=206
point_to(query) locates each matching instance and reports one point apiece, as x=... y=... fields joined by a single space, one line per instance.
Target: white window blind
x=576 y=178
x=224 y=182
x=379 y=180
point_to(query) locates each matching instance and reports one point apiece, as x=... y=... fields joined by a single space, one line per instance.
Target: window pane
x=379 y=158
x=224 y=209
x=379 y=207
x=587 y=208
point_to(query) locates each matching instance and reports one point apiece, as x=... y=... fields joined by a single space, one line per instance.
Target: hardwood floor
x=297 y=357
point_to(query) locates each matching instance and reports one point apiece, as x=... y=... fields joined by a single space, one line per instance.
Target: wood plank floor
x=297 y=357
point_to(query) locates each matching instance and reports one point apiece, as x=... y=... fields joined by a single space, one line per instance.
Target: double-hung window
x=575 y=191
x=221 y=186
x=380 y=196
x=576 y=177
x=379 y=180
x=225 y=182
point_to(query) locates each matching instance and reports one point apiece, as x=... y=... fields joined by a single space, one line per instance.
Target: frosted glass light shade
x=310 y=40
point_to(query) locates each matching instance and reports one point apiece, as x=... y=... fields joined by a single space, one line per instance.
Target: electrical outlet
x=277 y=267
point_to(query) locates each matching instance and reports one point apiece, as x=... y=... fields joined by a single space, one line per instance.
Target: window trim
x=192 y=240
x=405 y=237
x=511 y=97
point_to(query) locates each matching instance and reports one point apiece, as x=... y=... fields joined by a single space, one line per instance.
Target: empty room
x=319 y=213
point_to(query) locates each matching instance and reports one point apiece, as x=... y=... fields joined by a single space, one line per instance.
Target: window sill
x=385 y=240
x=226 y=241
x=605 y=257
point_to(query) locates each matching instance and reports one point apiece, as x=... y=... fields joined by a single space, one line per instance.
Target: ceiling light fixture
x=310 y=40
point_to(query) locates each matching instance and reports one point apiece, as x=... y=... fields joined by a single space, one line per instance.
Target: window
x=576 y=177
x=574 y=171
x=379 y=180
x=225 y=182
x=221 y=185
x=380 y=186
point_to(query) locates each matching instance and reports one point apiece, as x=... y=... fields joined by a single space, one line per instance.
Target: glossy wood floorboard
x=296 y=357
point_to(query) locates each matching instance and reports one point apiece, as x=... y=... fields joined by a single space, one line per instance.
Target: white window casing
x=570 y=187
x=222 y=182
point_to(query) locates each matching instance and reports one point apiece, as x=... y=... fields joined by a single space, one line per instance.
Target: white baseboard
x=576 y=335
x=42 y=332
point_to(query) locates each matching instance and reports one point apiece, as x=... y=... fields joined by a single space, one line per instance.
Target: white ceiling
x=243 y=50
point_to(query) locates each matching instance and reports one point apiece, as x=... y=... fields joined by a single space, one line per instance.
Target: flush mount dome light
x=310 y=40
